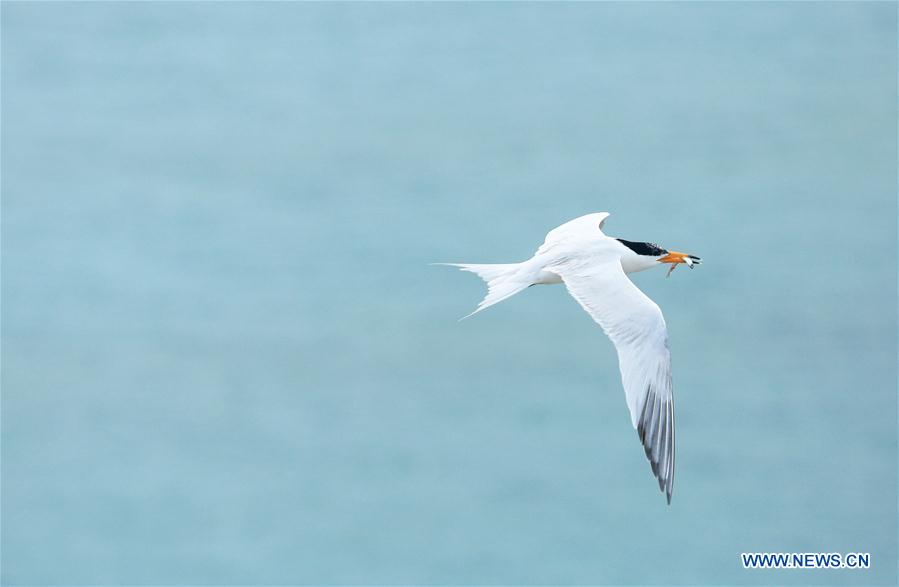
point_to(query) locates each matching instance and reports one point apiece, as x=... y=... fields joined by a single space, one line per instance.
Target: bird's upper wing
x=636 y=326
x=574 y=230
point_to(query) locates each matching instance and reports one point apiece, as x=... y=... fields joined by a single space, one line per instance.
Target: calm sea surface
x=226 y=360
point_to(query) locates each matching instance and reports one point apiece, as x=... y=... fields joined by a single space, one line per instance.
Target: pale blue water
x=226 y=360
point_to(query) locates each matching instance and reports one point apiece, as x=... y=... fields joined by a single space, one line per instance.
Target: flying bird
x=594 y=268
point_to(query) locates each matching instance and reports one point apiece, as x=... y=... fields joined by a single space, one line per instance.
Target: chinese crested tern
x=594 y=268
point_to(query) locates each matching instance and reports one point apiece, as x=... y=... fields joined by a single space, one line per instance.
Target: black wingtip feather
x=655 y=429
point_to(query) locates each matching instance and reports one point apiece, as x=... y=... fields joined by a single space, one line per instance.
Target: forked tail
x=503 y=280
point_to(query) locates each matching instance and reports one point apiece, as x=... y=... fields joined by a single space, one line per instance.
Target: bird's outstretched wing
x=636 y=326
x=574 y=230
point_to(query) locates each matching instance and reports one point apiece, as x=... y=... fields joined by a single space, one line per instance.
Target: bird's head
x=640 y=256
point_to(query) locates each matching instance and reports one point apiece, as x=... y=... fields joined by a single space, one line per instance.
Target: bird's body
x=594 y=269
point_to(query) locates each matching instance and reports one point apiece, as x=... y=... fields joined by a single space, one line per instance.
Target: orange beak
x=676 y=258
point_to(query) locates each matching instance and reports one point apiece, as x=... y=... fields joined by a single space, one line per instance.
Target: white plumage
x=594 y=268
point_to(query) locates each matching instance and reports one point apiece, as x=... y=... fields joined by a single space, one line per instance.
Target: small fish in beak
x=676 y=258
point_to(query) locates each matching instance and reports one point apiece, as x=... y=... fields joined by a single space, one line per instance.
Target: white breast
x=547 y=278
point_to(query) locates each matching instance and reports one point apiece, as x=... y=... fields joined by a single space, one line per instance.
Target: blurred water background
x=226 y=360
